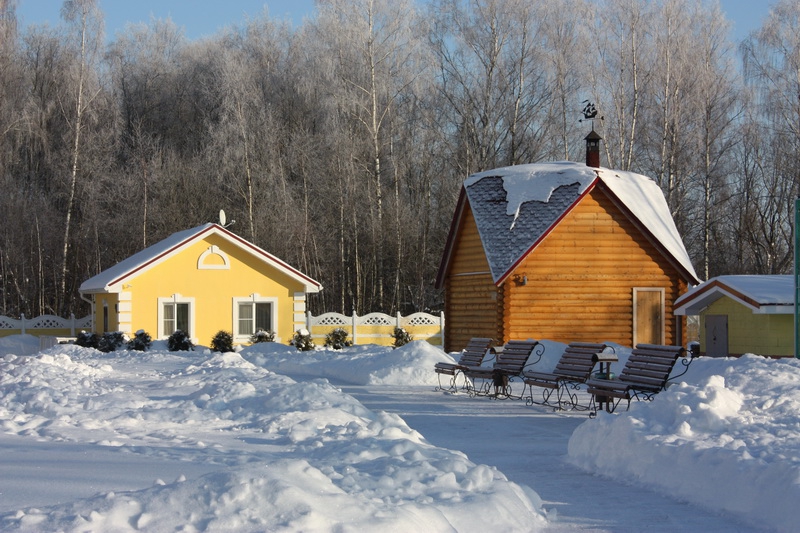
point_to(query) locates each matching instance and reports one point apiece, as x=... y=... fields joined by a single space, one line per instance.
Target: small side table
x=604 y=359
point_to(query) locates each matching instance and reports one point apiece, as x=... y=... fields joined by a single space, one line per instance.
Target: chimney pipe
x=593 y=149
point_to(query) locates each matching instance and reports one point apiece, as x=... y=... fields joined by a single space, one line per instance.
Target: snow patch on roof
x=538 y=181
x=535 y=182
x=110 y=278
x=763 y=289
x=645 y=199
x=104 y=279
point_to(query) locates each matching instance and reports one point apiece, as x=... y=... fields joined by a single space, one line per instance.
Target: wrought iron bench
x=645 y=374
x=509 y=365
x=573 y=369
x=471 y=357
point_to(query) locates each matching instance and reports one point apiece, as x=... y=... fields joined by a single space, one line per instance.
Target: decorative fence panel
x=44 y=325
x=377 y=328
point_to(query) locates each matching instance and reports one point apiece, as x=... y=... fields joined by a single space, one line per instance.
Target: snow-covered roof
x=516 y=207
x=111 y=279
x=764 y=294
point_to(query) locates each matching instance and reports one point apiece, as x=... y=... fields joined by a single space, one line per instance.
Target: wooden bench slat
x=472 y=356
x=647 y=370
x=574 y=366
x=510 y=360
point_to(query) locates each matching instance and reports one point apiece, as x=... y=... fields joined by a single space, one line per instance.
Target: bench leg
x=452 y=385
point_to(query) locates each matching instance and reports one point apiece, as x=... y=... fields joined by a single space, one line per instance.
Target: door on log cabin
x=648 y=315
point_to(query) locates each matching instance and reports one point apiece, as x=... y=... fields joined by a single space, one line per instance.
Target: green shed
x=743 y=314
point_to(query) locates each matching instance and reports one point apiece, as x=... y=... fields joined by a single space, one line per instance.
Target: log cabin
x=566 y=252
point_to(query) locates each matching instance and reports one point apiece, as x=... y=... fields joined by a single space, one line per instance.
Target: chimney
x=593 y=149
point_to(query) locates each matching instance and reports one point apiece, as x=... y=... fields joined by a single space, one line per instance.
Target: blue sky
x=199 y=18
x=202 y=18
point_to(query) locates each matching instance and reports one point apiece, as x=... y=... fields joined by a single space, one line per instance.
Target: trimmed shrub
x=141 y=341
x=110 y=341
x=262 y=336
x=337 y=339
x=401 y=337
x=179 y=342
x=222 y=342
x=302 y=340
x=88 y=340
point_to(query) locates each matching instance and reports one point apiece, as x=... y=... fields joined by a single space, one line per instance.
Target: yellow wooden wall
x=768 y=335
x=581 y=279
x=470 y=294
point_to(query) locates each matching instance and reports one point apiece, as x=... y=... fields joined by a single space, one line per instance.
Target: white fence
x=44 y=325
x=377 y=328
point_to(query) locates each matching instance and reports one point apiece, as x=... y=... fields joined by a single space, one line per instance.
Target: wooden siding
x=471 y=306
x=580 y=280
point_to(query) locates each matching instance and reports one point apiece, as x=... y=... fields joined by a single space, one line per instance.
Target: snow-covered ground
x=201 y=441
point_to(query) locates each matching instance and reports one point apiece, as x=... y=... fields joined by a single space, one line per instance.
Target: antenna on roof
x=223 y=219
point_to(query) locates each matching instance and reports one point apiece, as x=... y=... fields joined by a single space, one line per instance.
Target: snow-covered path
x=529 y=445
x=360 y=440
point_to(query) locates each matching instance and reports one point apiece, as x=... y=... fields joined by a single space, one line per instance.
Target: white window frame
x=254 y=299
x=176 y=299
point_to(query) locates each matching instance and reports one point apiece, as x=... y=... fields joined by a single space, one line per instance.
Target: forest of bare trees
x=340 y=145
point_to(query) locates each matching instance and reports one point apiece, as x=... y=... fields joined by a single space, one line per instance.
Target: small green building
x=743 y=314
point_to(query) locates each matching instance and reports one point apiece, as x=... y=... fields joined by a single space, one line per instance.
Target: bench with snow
x=644 y=375
x=573 y=369
x=471 y=357
x=511 y=361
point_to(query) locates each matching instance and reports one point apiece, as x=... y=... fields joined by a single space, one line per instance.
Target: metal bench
x=645 y=374
x=471 y=357
x=573 y=369
x=509 y=366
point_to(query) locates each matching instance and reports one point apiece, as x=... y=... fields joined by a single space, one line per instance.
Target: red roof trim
x=547 y=232
x=156 y=258
x=713 y=286
x=259 y=251
x=688 y=276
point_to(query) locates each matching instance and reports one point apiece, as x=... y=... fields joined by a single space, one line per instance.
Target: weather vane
x=589 y=112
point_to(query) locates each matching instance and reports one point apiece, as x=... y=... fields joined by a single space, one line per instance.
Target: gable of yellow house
x=200 y=281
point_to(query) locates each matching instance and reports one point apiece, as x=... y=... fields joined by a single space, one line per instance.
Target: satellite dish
x=222 y=218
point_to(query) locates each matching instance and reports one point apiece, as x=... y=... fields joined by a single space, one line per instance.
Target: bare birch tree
x=87 y=23
x=772 y=67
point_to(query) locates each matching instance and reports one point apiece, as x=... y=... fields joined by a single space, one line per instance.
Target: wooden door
x=717 y=335
x=648 y=316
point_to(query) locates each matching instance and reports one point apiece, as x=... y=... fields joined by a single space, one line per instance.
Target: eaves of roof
x=107 y=280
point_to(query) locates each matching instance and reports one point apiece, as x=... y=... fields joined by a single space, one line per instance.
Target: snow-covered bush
x=179 y=342
x=262 y=336
x=337 y=339
x=87 y=339
x=110 y=341
x=401 y=337
x=141 y=341
x=302 y=340
x=222 y=342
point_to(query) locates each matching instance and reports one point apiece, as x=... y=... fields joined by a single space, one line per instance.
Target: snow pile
x=19 y=344
x=202 y=441
x=281 y=455
x=727 y=439
x=368 y=364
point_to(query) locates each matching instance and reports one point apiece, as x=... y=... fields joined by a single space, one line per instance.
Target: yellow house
x=201 y=280
x=743 y=314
